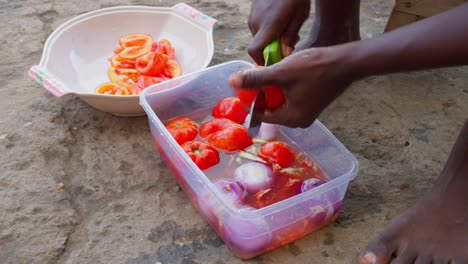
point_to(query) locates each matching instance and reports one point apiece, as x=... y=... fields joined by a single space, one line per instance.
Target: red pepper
x=201 y=153
x=230 y=108
x=225 y=134
x=183 y=129
x=277 y=153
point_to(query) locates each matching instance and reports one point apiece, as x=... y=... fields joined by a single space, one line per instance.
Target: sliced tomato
x=151 y=64
x=230 y=108
x=183 y=129
x=202 y=154
x=164 y=46
x=145 y=81
x=123 y=79
x=225 y=134
x=107 y=88
x=277 y=153
x=172 y=69
x=133 y=40
x=119 y=62
x=284 y=188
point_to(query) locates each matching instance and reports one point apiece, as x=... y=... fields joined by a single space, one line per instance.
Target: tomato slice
x=230 y=108
x=183 y=129
x=151 y=64
x=172 y=69
x=145 y=81
x=225 y=134
x=124 y=79
x=202 y=154
x=107 y=88
x=164 y=47
x=135 y=45
x=119 y=62
x=277 y=153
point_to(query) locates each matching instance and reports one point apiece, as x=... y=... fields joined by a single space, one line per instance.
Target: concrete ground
x=120 y=204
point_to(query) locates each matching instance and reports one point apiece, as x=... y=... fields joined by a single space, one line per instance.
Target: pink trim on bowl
x=195 y=15
x=46 y=80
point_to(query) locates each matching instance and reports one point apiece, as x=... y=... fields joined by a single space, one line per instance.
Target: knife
x=271 y=54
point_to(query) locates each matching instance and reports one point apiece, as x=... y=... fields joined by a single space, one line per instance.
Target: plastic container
x=247 y=232
x=74 y=59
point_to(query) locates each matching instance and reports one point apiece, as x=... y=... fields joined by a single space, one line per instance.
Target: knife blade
x=272 y=54
x=257 y=108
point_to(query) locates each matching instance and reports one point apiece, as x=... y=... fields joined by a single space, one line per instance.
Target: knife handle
x=275 y=52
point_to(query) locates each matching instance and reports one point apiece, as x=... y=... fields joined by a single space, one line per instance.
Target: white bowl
x=74 y=60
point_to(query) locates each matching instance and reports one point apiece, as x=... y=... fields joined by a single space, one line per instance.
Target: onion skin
x=254 y=176
x=311 y=183
x=232 y=192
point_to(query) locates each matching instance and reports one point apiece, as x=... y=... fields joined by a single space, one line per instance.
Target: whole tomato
x=230 y=108
x=201 y=153
x=277 y=153
x=274 y=96
x=225 y=134
x=183 y=129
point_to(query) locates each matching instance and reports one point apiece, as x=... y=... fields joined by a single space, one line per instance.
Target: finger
x=277 y=116
x=407 y=256
x=259 y=42
x=290 y=37
x=253 y=78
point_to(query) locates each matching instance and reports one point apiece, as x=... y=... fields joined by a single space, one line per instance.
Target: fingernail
x=371 y=258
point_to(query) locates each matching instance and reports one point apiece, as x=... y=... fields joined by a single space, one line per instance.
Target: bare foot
x=435 y=230
x=336 y=22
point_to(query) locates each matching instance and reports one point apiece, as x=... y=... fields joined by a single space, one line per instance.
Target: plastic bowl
x=245 y=231
x=74 y=59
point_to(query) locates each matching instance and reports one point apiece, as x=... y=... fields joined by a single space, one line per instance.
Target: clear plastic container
x=247 y=232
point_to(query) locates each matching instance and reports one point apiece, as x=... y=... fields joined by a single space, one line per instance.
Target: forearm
x=439 y=41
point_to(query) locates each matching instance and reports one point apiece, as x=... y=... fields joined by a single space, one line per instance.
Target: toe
x=440 y=260
x=377 y=252
x=424 y=259
x=405 y=257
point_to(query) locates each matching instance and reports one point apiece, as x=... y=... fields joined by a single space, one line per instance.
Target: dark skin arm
x=313 y=78
x=336 y=21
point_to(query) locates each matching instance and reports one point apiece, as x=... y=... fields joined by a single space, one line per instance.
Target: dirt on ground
x=120 y=203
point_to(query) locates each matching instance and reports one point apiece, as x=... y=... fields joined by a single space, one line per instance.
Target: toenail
x=370 y=258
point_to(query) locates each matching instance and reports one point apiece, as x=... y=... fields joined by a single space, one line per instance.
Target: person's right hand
x=271 y=19
x=311 y=79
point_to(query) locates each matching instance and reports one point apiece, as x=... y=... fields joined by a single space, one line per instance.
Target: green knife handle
x=275 y=52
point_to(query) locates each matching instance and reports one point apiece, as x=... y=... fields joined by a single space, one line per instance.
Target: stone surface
x=120 y=204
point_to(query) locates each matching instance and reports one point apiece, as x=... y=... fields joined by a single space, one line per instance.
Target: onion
x=268 y=132
x=311 y=183
x=247 y=236
x=254 y=176
x=232 y=192
x=323 y=207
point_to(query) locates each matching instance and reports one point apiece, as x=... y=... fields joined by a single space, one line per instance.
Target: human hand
x=310 y=79
x=270 y=19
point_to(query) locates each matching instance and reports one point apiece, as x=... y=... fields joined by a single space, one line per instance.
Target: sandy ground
x=121 y=204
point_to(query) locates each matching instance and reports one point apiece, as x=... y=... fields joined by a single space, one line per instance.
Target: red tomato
x=225 y=134
x=118 y=62
x=151 y=64
x=202 y=154
x=274 y=96
x=182 y=129
x=277 y=153
x=230 y=108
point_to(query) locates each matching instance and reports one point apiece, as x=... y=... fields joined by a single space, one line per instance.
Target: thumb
x=253 y=78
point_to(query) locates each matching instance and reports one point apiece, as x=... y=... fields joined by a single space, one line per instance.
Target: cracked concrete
x=120 y=204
